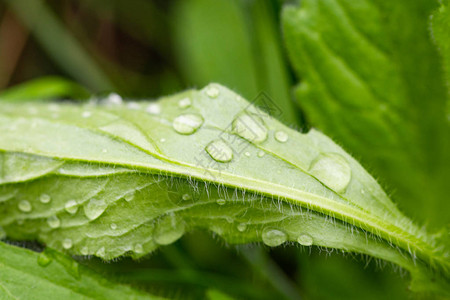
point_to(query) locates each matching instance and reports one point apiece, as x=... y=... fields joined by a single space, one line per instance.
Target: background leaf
x=51 y=275
x=370 y=77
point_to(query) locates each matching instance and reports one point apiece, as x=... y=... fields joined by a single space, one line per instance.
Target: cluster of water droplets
x=274 y=237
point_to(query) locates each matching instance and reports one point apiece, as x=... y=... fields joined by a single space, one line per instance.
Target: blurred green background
x=144 y=49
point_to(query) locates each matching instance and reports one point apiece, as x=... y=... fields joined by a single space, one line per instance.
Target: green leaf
x=371 y=78
x=25 y=274
x=440 y=29
x=112 y=179
x=45 y=88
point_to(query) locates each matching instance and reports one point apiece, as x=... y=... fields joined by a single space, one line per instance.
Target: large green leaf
x=371 y=78
x=25 y=274
x=112 y=179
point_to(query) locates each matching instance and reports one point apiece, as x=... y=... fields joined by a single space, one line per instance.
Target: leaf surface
x=25 y=274
x=111 y=179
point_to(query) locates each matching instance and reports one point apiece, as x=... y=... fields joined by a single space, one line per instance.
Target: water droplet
x=44 y=198
x=229 y=220
x=43 y=259
x=187 y=123
x=101 y=252
x=212 y=92
x=305 y=240
x=133 y=105
x=84 y=250
x=247 y=154
x=104 y=150
x=129 y=197
x=185 y=102
x=273 y=237
x=219 y=151
x=114 y=99
x=2 y=233
x=250 y=128
x=138 y=248
x=71 y=207
x=332 y=170
x=221 y=201
x=261 y=153
x=94 y=208
x=162 y=140
x=86 y=114
x=169 y=229
x=53 y=221
x=25 y=206
x=113 y=226
x=281 y=136
x=153 y=108
x=186 y=197
x=67 y=244
x=242 y=227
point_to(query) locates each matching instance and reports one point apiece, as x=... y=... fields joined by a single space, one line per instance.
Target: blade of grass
x=61 y=46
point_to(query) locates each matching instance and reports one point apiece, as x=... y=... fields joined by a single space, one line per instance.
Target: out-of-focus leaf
x=371 y=78
x=212 y=44
x=44 y=88
x=440 y=30
x=62 y=47
x=116 y=179
x=25 y=274
x=235 y=43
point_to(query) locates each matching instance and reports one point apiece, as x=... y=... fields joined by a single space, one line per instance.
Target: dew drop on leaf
x=168 y=230
x=186 y=197
x=305 y=239
x=250 y=128
x=153 y=109
x=273 y=237
x=332 y=170
x=114 y=99
x=242 y=227
x=113 y=226
x=281 y=136
x=67 y=243
x=219 y=151
x=53 y=221
x=187 y=123
x=71 y=207
x=86 y=114
x=129 y=197
x=138 y=248
x=84 y=250
x=212 y=92
x=25 y=206
x=221 y=201
x=261 y=153
x=185 y=102
x=247 y=154
x=101 y=252
x=133 y=105
x=94 y=208
x=43 y=259
x=44 y=198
